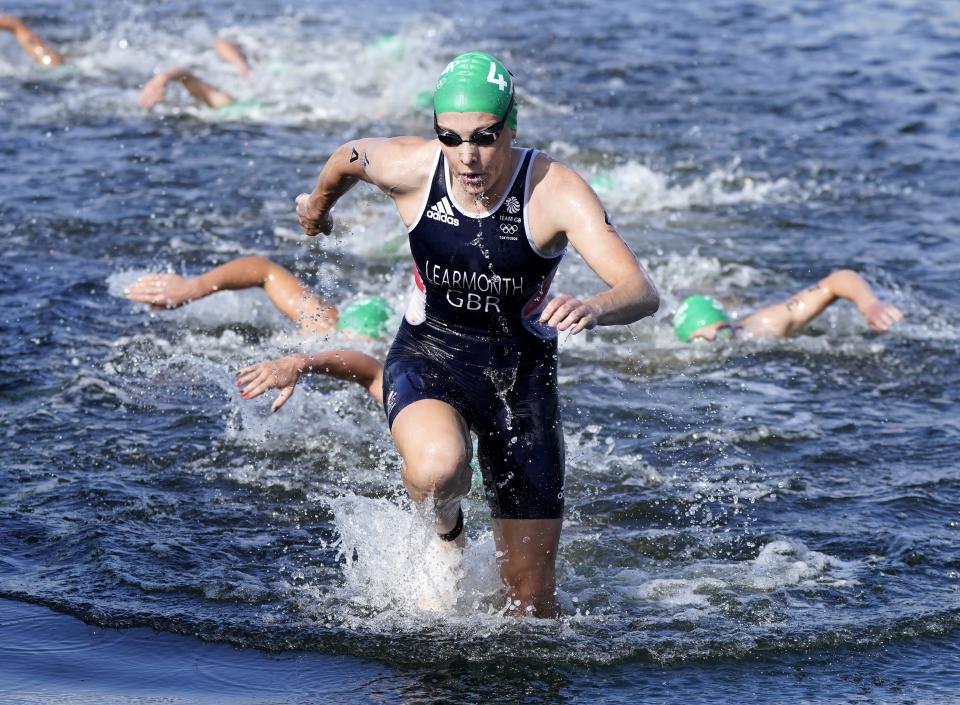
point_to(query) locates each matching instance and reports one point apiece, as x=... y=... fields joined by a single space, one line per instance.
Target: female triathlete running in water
x=477 y=348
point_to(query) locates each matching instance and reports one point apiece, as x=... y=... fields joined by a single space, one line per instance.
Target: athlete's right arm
x=39 y=50
x=395 y=165
x=283 y=374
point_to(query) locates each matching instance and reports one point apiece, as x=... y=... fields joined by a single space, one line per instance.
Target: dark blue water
x=752 y=522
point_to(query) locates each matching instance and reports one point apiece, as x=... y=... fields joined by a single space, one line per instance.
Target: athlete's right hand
x=282 y=374
x=312 y=220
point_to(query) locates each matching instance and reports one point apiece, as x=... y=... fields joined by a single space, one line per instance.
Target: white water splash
x=393 y=561
x=782 y=563
x=637 y=187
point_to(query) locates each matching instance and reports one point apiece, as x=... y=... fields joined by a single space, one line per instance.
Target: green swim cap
x=388 y=46
x=475 y=83
x=240 y=109
x=696 y=312
x=423 y=99
x=368 y=318
x=601 y=183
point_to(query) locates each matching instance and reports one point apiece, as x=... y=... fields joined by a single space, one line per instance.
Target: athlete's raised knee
x=438 y=467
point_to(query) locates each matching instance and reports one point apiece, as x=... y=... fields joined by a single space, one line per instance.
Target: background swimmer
x=702 y=318
x=293 y=298
x=155 y=90
x=284 y=373
x=36 y=48
x=365 y=319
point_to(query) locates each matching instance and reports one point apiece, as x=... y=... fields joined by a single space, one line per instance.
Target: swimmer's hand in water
x=155 y=90
x=282 y=374
x=881 y=316
x=312 y=219
x=162 y=291
x=233 y=54
x=565 y=312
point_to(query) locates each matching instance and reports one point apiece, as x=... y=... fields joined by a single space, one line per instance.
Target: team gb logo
x=513 y=205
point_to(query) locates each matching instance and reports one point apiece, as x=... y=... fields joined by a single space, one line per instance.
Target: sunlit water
x=739 y=515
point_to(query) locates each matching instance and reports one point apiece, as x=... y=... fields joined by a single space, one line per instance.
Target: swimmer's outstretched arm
x=793 y=314
x=398 y=166
x=155 y=90
x=232 y=54
x=39 y=50
x=283 y=374
x=568 y=206
x=289 y=294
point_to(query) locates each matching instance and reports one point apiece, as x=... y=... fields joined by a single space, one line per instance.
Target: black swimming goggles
x=481 y=138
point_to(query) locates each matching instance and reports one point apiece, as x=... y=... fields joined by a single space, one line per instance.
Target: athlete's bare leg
x=528 y=564
x=434 y=442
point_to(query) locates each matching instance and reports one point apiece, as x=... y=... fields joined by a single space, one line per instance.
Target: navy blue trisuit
x=471 y=338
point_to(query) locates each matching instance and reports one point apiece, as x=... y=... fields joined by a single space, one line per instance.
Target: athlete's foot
x=443 y=570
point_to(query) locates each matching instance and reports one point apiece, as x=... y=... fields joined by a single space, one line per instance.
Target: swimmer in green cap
x=365 y=319
x=703 y=318
x=368 y=318
x=488 y=224
x=155 y=90
x=36 y=48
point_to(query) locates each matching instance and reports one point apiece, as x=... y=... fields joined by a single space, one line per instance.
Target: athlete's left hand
x=282 y=374
x=565 y=312
x=882 y=316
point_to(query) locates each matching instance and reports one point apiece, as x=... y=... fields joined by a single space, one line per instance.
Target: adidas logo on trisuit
x=442 y=211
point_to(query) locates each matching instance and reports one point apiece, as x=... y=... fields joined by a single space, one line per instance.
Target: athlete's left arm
x=284 y=373
x=572 y=210
x=788 y=317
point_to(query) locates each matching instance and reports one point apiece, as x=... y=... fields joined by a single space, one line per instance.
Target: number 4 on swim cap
x=496 y=78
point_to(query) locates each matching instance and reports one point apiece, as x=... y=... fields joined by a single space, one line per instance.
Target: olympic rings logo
x=508 y=228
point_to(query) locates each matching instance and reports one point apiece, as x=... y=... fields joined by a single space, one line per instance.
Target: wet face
x=713 y=331
x=477 y=170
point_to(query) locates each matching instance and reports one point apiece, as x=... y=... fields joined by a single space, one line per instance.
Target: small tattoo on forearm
x=366 y=160
x=354 y=156
x=797 y=302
